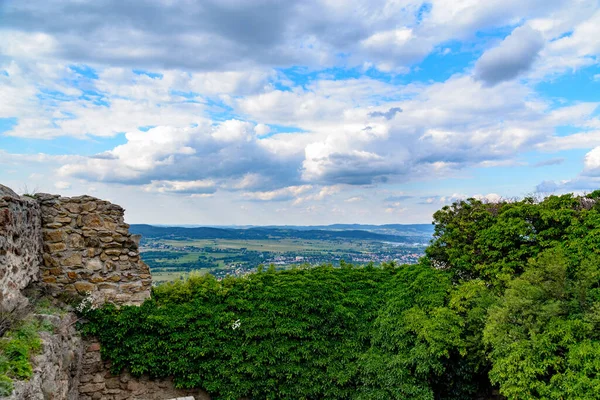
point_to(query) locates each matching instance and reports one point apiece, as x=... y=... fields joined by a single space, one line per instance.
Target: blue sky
x=313 y=112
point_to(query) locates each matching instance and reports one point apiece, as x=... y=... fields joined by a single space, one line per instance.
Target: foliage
x=304 y=333
x=494 y=241
x=16 y=349
x=545 y=333
x=507 y=297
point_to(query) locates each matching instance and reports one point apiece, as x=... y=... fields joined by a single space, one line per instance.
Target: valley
x=174 y=252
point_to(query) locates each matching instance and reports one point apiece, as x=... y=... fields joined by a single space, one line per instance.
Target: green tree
x=544 y=334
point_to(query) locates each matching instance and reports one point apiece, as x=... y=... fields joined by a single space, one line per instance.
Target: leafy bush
x=305 y=333
x=16 y=349
x=507 y=297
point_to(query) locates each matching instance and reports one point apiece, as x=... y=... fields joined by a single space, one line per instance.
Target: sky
x=237 y=112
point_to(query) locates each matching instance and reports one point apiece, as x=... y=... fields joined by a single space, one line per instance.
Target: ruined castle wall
x=56 y=367
x=88 y=249
x=96 y=382
x=20 y=246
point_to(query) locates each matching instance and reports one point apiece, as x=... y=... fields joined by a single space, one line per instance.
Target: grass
x=16 y=348
x=20 y=339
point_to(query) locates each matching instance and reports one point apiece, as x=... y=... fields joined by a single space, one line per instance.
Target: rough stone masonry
x=20 y=246
x=88 y=249
x=83 y=241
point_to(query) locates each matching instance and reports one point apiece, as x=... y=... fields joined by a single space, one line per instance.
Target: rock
x=63 y=220
x=73 y=208
x=91 y=387
x=84 y=287
x=94 y=347
x=56 y=247
x=89 y=206
x=8 y=192
x=93 y=265
x=76 y=241
x=72 y=260
x=92 y=221
x=53 y=235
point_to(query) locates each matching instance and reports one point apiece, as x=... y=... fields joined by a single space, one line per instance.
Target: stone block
x=84 y=287
x=91 y=387
x=93 y=265
x=96 y=279
x=76 y=241
x=53 y=235
x=92 y=221
x=89 y=206
x=56 y=247
x=72 y=260
x=94 y=347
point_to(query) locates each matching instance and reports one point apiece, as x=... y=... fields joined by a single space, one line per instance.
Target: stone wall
x=88 y=249
x=97 y=383
x=56 y=368
x=20 y=246
x=74 y=246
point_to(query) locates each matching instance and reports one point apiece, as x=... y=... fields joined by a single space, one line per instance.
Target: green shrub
x=16 y=348
x=507 y=297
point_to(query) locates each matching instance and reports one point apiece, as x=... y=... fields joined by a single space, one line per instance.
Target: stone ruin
x=74 y=246
x=71 y=246
x=88 y=249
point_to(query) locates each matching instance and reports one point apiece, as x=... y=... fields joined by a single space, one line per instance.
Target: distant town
x=174 y=256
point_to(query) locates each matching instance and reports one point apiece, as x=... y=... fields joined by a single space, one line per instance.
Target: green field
x=174 y=259
x=280 y=245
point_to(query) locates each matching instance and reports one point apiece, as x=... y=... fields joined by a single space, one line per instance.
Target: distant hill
x=391 y=233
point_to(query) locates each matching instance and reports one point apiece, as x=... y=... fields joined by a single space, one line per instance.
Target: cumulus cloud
x=575 y=45
x=389 y=114
x=166 y=154
x=489 y=198
x=395 y=208
x=514 y=56
x=591 y=162
x=62 y=185
x=182 y=187
x=287 y=193
x=226 y=35
x=588 y=179
x=192 y=100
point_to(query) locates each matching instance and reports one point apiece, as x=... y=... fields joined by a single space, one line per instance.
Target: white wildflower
x=236 y=324
x=87 y=304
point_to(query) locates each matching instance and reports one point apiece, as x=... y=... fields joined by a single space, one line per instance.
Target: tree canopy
x=506 y=299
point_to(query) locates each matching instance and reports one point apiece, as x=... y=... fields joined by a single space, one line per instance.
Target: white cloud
x=198 y=187
x=282 y=194
x=575 y=45
x=490 y=197
x=354 y=199
x=62 y=185
x=234 y=131
x=514 y=56
x=591 y=162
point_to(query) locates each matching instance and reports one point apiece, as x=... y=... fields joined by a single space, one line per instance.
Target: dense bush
x=508 y=295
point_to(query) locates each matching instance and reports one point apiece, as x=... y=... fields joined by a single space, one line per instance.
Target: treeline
x=506 y=299
x=264 y=233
